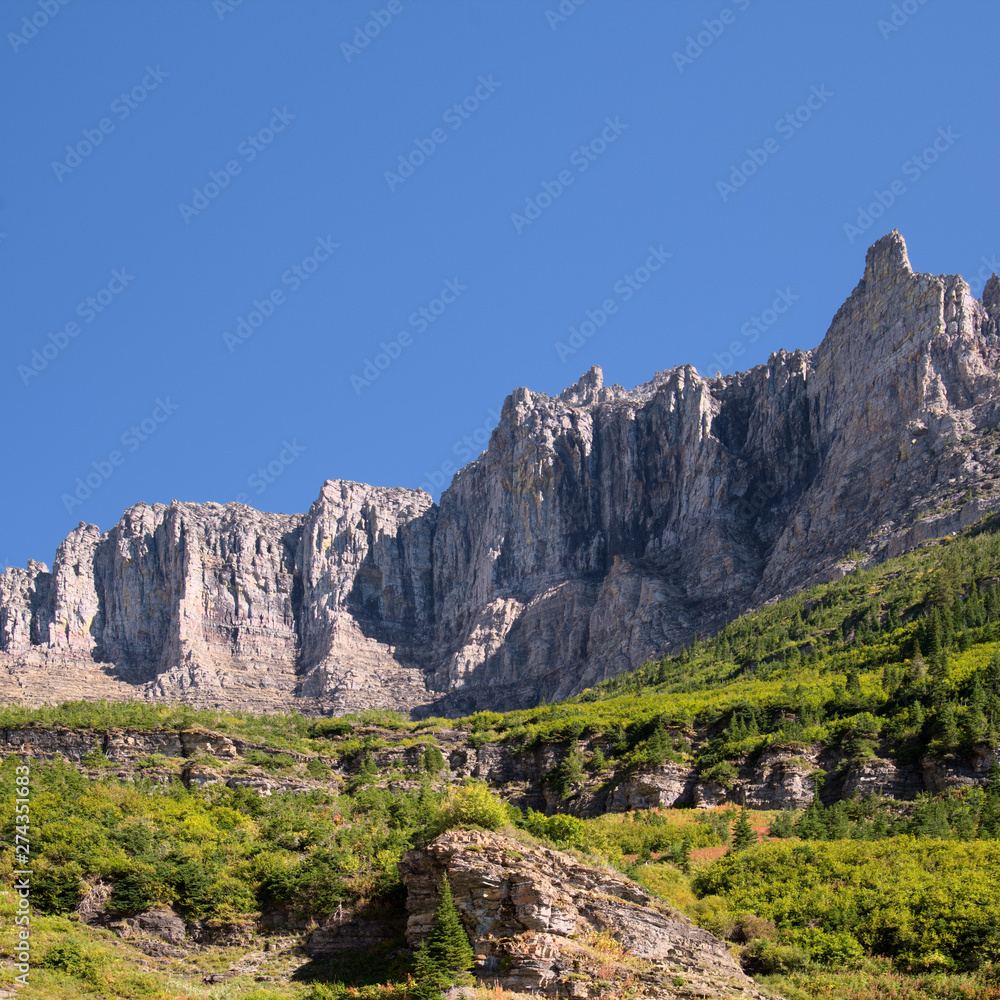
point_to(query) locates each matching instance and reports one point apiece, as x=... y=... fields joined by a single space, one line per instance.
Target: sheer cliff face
x=599 y=528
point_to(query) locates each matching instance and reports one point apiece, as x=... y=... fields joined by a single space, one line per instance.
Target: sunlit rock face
x=600 y=527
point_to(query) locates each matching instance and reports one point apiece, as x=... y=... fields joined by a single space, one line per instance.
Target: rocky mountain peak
x=991 y=297
x=887 y=260
x=587 y=389
x=599 y=528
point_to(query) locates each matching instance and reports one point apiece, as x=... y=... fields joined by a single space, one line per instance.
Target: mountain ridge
x=600 y=528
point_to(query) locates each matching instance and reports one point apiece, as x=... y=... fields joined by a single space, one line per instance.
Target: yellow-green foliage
x=217 y=853
x=926 y=904
x=473 y=804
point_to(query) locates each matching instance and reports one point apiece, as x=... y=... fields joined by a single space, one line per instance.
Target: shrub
x=712 y=913
x=837 y=949
x=473 y=805
x=561 y=829
x=769 y=958
x=72 y=958
x=748 y=927
x=724 y=773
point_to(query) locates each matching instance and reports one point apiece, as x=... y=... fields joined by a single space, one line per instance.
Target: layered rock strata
x=780 y=778
x=599 y=528
x=542 y=922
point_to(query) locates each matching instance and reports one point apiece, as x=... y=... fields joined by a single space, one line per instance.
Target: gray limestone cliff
x=599 y=528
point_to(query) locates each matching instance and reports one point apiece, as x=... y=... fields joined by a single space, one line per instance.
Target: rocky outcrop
x=540 y=921
x=599 y=528
x=367 y=610
x=778 y=778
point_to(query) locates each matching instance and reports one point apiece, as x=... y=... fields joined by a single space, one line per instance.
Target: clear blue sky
x=561 y=155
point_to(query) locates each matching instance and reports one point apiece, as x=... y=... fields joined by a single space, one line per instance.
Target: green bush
x=836 y=950
x=473 y=804
x=724 y=773
x=923 y=903
x=74 y=959
x=768 y=957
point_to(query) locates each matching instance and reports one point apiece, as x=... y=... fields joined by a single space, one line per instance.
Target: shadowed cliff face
x=600 y=528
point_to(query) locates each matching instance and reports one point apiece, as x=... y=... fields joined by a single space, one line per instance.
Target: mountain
x=600 y=528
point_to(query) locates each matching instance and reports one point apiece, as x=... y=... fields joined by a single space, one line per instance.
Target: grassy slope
x=903 y=652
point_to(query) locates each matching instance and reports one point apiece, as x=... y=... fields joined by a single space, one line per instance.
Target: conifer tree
x=428 y=980
x=989 y=816
x=993 y=671
x=948 y=727
x=569 y=771
x=744 y=835
x=447 y=956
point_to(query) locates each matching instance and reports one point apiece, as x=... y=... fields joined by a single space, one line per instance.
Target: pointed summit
x=991 y=296
x=887 y=259
x=586 y=390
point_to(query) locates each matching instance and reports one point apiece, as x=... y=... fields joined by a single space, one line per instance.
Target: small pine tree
x=931 y=639
x=853 y=682
x=812 y=824
x=948 y=727
x=433 y=760
x=744 y=835
x=568 y=772
x=993 y=670
x=428 y=980
x=680 y=854
x=657 y=746
x=448 y=954
x=616 y=738
x=989 y=816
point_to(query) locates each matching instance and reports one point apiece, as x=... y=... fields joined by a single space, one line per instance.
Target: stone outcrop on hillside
x=540 y=921
x=778 y=778
x=600 y=527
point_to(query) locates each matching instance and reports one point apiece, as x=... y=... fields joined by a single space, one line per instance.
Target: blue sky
x=249 y=247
